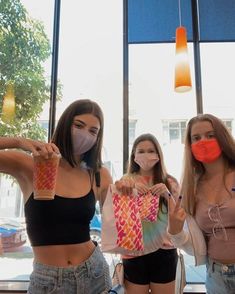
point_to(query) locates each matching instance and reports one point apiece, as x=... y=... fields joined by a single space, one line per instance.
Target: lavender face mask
x=82 y=141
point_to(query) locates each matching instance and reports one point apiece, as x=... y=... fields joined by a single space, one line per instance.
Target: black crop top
x=59 y=221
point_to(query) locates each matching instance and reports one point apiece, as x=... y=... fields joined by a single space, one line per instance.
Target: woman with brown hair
x=155 y=269
x=65 y=258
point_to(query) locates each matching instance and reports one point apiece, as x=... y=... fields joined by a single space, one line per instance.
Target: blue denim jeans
x=220 y=278
x=90 y=277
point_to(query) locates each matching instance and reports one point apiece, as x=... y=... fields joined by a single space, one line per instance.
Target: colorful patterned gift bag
x=148 y=206
x=152 y=234
x=128 y=222
x=122 y=231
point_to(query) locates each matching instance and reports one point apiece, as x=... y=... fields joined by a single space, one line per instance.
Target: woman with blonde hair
x=208 y=202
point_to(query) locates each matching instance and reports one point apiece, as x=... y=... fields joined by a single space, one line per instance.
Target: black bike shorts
x=155 y=267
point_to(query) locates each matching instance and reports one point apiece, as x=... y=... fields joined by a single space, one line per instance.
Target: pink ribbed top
x=219 y=248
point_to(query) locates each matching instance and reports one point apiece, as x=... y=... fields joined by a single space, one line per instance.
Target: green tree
x=24 y=47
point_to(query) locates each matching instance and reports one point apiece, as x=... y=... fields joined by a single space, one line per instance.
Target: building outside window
x=132 y=130
x=174 y=130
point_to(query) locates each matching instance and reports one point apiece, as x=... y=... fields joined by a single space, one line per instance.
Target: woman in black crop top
x=65 y=259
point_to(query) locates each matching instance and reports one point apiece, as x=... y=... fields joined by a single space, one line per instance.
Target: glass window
x=218 y=80
x=90 y=66
x=132 y=130
x=154 y=104
x=174 y=130
x=229 y=124
x=27 y=37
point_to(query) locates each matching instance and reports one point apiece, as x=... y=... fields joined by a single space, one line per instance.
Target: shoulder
x=105 y=179
x=105 y=175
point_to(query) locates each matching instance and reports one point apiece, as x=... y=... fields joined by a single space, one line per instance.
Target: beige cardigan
x=192 y=241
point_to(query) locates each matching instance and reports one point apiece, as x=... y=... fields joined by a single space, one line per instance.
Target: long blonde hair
x=194 y=169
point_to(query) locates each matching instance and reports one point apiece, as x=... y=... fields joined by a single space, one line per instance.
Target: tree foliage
x=24 y=47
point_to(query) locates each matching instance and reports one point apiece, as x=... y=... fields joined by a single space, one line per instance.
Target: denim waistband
x=55 y=271
x=222 y=267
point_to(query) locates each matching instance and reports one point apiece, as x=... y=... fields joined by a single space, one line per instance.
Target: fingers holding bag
x=125 y=186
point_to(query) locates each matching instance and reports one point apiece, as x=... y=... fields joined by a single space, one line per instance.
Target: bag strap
x=180 y=281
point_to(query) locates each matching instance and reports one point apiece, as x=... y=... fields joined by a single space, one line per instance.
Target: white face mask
x=146 y=160
x=82 y=141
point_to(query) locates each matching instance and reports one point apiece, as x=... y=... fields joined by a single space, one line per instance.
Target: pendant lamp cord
x=179 y=4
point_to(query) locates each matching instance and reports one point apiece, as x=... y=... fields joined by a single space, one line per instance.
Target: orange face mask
x=206 y=151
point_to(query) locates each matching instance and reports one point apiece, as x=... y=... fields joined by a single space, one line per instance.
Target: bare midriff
x=63 y=255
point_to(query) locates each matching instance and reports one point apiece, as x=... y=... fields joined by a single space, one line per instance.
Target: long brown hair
x=193 y=169
x=62 y=135
x=159 y=171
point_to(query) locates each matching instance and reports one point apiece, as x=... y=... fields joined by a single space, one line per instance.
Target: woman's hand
x=38 y=148
x=141 y=188
x=125 y=186
x=176 y=215
x=174 y=187
x=160 y=189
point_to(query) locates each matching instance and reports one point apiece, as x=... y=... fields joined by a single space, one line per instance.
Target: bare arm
x=20 y=164
x=174 y=187
x=105 y=181
x=20 y=143
x=176 y=221
x=12 y=161
x=33 y=146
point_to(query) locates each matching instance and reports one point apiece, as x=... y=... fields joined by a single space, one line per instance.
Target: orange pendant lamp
x=8 y=107
x=182 y=70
